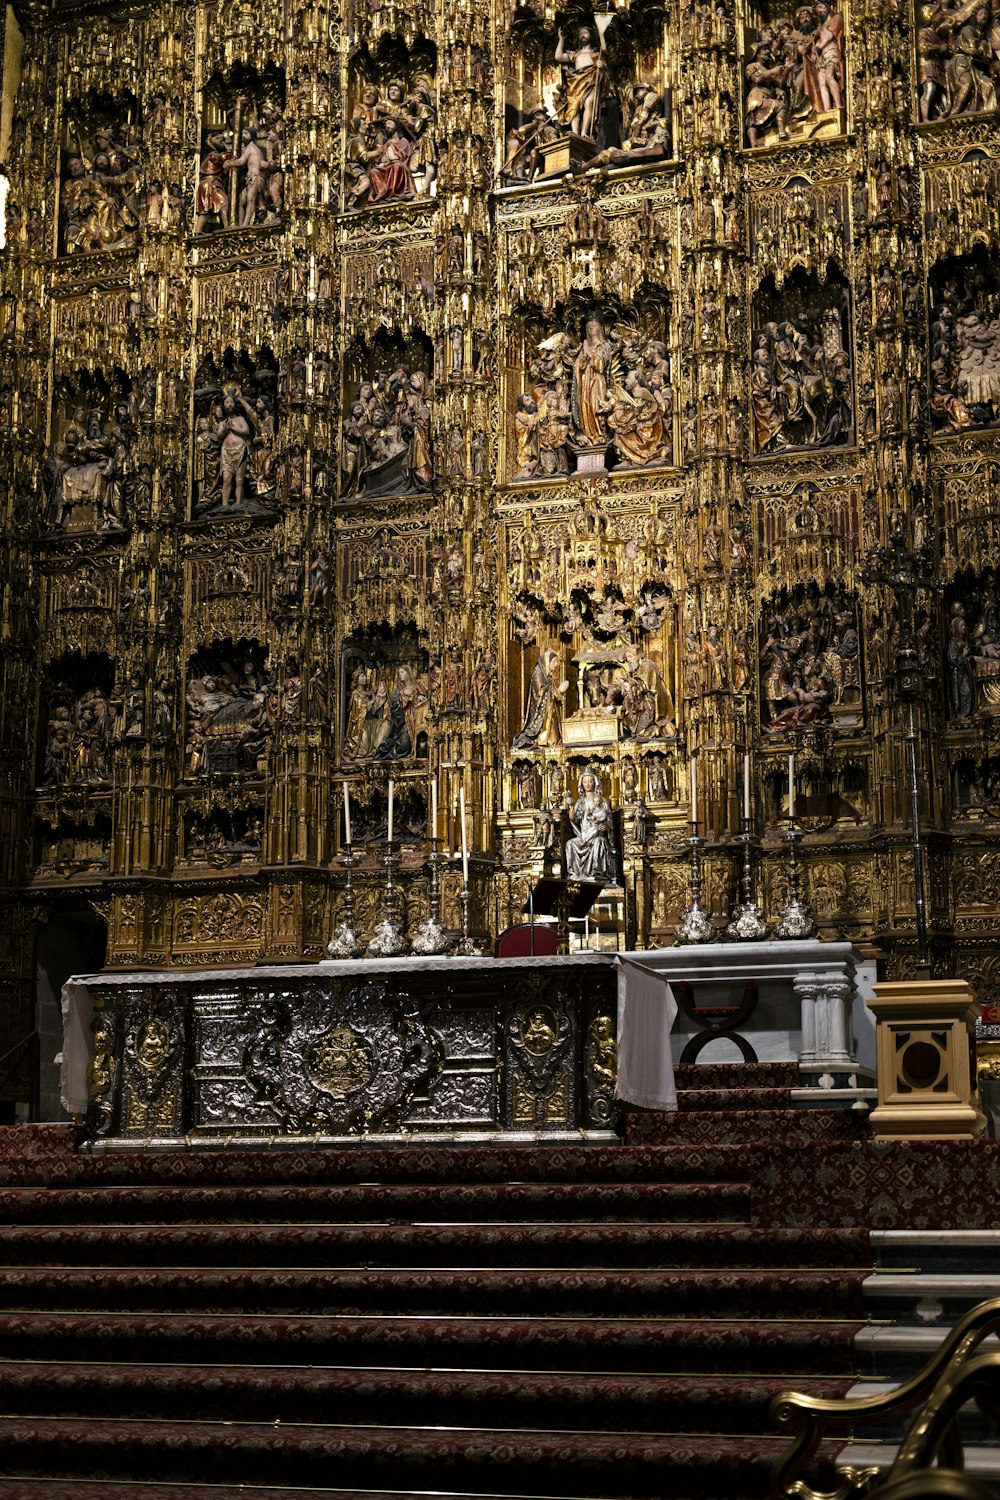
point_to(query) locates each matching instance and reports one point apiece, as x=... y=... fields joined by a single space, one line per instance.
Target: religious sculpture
x=810 y=664
x=801 y=382
x=241 y=180
x=231 y=708
x=388 y=707
x=965 y=349
x=236 y=464
x=796 y=77
x=84 y=475
x=543 y=710
x=391 y=151
x=99 y=201
x=590 y=853
x=80 y=736
x=960 y=682
x=386 y=445
x=610 y=392
x=958 y=50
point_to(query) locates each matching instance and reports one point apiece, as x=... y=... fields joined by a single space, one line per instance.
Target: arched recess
x=74 y=940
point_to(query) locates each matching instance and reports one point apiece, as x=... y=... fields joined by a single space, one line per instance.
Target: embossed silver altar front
x=394 y=1049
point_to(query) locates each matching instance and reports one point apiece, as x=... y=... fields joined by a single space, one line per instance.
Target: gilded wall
x=474 y=395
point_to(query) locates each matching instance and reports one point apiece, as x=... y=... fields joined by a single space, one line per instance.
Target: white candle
x=347 y=814
x=465 y=846
x=391 y=789
x=791 y=784
x=434 y=808
x=746 y=787
x=694 y=793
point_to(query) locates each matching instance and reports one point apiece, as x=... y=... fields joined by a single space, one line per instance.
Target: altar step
x=552 y=1321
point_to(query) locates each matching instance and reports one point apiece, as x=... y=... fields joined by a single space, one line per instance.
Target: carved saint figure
x=543 y=710
x=585 y=79
x=590 y=853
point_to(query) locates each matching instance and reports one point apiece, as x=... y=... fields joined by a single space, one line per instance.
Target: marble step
x=927 y=1299
x=965 y=1252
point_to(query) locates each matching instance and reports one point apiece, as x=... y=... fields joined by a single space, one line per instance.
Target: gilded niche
x=588 y=97
x=795 y=74
x=388 y=697
x=801 y=385
x=241 y=179
x=965 y=343
x=86 y=477
x=598 y=394
x=958 y=50
x=235 y=460
x=101 y=188
x=392 y=151
x=386 y=432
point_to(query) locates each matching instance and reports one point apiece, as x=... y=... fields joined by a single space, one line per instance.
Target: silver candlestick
x=746 y=925
x=795 y=919
x=695 y=925
x=389 y=938
x=346 y=941
x=431 y=937
x=466 y=947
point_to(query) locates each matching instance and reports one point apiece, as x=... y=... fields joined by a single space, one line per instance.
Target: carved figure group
x=391 y=148
x=230 y=713
x=800 y=384
x=236 y=464
x=795 y=74
x=965 y=353
x=241 y=181
x=82 y=729
x=83 y=475
x=612 y=390
x=972 y=655
x=386 y=439
x=958 y=51
x=387 y=712
x=99 y=199
x=810 y=662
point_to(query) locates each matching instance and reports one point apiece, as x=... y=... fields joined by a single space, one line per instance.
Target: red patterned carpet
x=551 y=1321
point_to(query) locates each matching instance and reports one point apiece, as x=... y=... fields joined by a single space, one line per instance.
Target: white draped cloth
x=646 y=1014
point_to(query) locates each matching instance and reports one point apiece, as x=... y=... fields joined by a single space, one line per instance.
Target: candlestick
x=465 y=845
x=389 y=938
x=695 y=925
x=431 y=937
x=694 y=796
x=346 y=941
x=347 y=817
x=434 y=811
x=747 y=924
x=391 y=788
x=746 y=788
x=795 y=920
x=466 y=947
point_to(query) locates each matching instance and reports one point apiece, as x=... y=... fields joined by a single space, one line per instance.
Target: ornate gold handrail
x=949 y=1379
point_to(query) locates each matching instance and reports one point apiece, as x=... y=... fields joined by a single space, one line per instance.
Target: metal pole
x=923 y=963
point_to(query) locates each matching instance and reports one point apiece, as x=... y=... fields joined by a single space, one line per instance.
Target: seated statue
x=590 y=854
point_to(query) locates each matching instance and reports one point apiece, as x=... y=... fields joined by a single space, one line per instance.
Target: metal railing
x=930 y=1459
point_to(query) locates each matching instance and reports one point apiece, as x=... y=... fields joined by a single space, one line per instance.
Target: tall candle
x=434 y=808
x=791 y=784
x=391 y=790
x=746 y=787
x=347 y=813
x=465 y=845
x=694 y=793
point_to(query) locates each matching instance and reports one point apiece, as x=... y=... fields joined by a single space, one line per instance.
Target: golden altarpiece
x=473 y=395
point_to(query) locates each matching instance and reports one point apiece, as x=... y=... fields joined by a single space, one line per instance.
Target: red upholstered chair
x=516 y=942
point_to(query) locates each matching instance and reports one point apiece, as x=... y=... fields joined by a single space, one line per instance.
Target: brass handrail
x=811 y=1419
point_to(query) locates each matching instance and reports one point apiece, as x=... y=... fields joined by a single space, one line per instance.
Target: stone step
x=927 y=1299
x=963 y=1252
